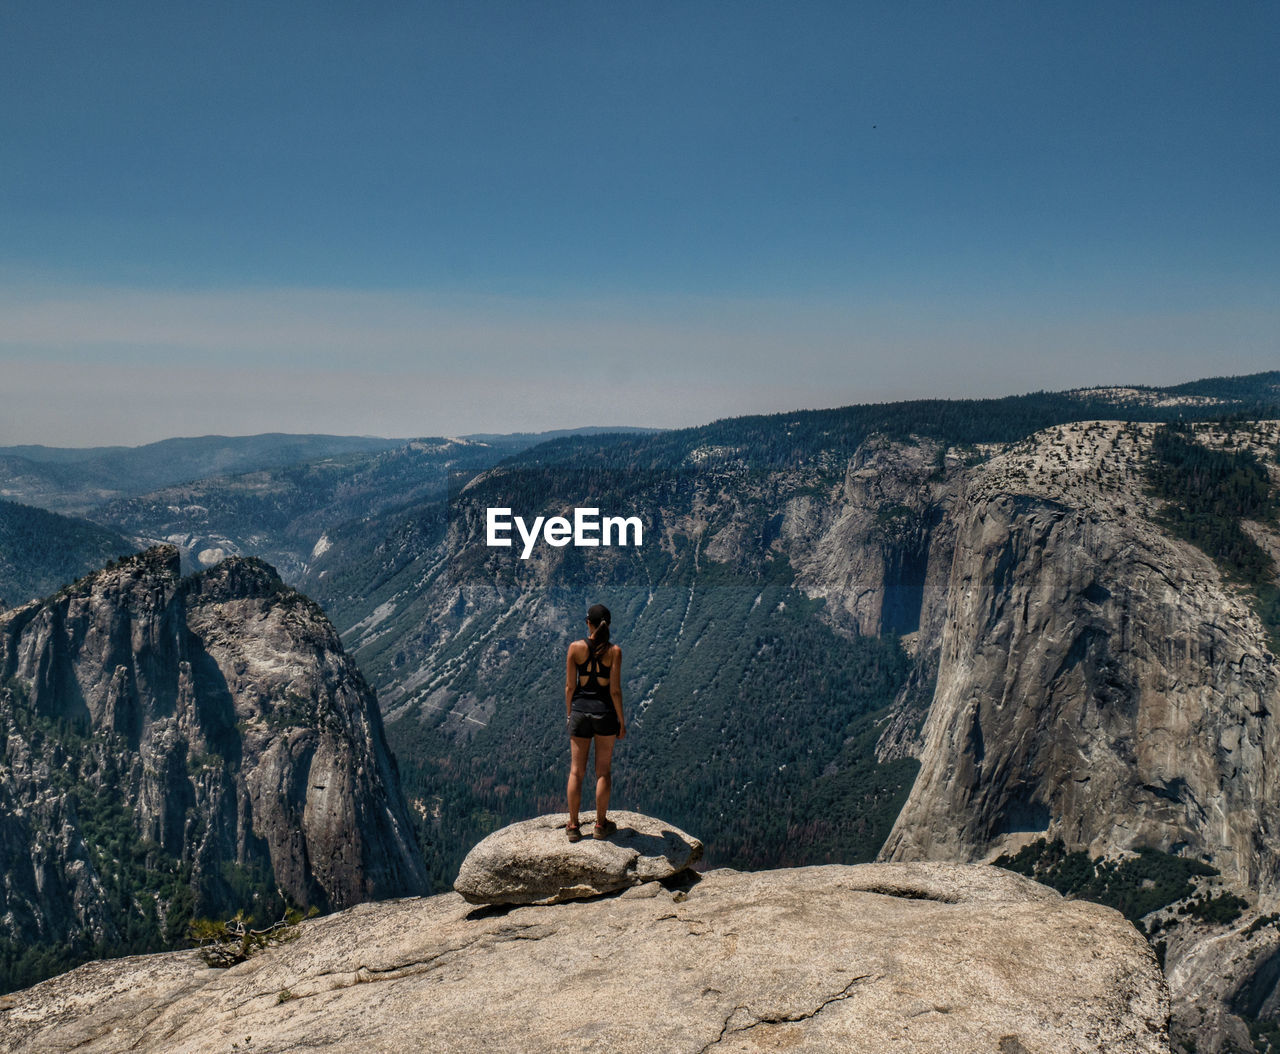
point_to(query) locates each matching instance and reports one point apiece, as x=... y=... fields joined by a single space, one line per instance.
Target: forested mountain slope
x=40 y=550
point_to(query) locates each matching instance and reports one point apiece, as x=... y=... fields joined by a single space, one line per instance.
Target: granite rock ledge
x=911 y=958
x=533 y=862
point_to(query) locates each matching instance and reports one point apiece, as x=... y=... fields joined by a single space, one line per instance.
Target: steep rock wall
x=1098 y=680
x=222 y=715
x=879 y=549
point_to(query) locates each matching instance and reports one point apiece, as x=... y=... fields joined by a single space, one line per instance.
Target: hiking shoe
x=604 y=828
x=574 y=831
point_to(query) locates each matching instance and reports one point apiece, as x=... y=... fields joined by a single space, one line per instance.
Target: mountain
x=1060 y=609
x=287 y=511
x=794 y=578
x=1070 y=629
x=292 y=515
x=183 y=747
x=75 y=480
x=1101 y=678
x=40 y=551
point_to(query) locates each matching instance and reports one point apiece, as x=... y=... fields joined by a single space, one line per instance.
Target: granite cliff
x=186 y=746
x=1098 y=679
x=1103 y=682
x=1085 y=675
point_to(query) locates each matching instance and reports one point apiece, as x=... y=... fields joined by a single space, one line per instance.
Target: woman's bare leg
x=604 y=774
x=578 y=749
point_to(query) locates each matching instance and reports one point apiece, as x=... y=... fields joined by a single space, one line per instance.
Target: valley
x=915 y=631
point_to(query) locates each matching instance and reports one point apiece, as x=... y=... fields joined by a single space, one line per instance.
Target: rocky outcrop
x=1098 y=680
x=1224 y=977
x=913 y=958
x=211 y=729
x=533 y=862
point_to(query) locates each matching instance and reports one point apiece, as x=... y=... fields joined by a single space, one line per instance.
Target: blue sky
x=405 y=218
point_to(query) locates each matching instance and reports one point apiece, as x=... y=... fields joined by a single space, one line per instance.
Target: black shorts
x=584 y=726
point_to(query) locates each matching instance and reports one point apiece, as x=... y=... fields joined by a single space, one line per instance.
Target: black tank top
x=592 y=697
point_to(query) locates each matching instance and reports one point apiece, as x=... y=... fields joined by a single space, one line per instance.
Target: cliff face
x=1101 y=682
x=877 y=550
x=196 y=738
x=1098 y=680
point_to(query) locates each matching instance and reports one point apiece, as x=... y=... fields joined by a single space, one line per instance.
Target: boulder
x=533 y=862
x=908 y=958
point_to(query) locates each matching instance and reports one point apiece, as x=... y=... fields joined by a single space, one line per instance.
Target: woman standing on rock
x=593 y=706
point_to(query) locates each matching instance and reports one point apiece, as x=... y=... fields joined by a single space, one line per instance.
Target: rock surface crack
x=781 y=1019
x=369 y=974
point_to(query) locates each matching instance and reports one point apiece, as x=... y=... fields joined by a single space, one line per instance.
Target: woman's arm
x=570 y=681
x=615 y=690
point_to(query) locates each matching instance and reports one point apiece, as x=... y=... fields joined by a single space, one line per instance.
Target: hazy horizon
x=510 y=218
x=621 y=427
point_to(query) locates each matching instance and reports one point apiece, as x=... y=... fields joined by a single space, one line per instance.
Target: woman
x=593 y=705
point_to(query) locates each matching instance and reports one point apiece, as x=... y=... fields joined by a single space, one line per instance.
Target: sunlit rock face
x=1098 y=680
x=220 y=718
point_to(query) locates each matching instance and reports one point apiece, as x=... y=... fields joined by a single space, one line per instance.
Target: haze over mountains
x=935 y=629
x=264 y=495
x=75 y=480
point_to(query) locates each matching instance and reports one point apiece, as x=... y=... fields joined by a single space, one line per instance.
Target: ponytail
x=598 y=620
x=598 y=642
